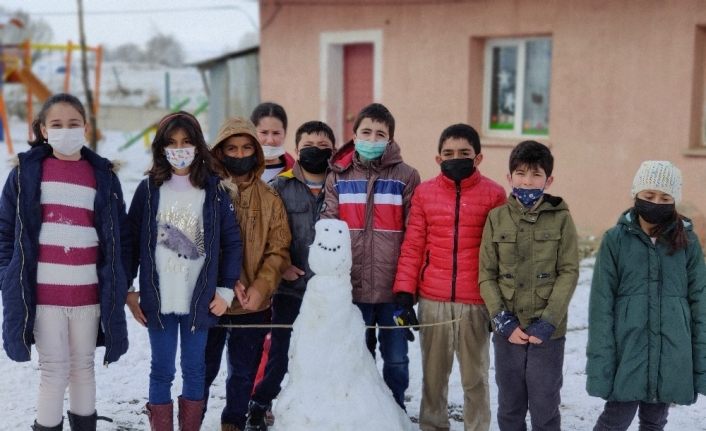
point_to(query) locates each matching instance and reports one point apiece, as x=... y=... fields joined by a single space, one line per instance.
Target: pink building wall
x=627 y=83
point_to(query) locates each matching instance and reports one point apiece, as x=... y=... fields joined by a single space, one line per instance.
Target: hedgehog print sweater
x=179 y=254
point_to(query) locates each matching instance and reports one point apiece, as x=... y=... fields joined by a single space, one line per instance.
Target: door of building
x=357 y=83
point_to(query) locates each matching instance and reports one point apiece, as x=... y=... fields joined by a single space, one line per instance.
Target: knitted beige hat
x=658 y=175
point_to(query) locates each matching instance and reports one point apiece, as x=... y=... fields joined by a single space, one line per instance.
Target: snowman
x=333 y=384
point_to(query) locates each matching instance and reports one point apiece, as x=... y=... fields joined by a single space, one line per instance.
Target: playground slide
x=152 y=127
x=34 y=84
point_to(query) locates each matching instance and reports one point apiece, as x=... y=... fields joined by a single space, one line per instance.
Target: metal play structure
x=145 y=134
x=16 y=68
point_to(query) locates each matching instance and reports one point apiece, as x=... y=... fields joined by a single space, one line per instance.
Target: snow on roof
x=208 y=62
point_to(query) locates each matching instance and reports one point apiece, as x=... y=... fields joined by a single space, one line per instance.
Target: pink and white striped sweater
x=68 y=241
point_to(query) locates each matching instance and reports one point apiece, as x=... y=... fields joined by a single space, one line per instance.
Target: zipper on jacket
x=207 y=261
x=22 y=265
x=424 y=268
x=369 y=227
x=149 y=252
x=107 y=330
x=455 y=250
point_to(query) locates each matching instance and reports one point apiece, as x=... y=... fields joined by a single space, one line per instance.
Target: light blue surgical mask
x=370 y=150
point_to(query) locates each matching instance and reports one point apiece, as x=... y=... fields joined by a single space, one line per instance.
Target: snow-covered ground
x=122 y=387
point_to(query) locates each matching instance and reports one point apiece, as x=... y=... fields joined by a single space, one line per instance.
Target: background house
x=606 y=84
x=232 y=85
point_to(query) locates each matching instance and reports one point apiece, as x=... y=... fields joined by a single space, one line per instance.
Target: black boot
x=256 y=417
x=82 y=423
x=37 y=427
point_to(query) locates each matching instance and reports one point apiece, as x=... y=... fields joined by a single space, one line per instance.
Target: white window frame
x=331 y=45
x=520 y=44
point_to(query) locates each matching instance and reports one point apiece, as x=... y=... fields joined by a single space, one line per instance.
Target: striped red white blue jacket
x=373 y=198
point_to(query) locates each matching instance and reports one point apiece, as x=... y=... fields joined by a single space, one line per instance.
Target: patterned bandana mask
x=527 y=197
x=180 y=158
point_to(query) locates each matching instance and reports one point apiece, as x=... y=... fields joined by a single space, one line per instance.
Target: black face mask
x=458 y=169
x=654 y=213
x=240 y=166
x=314 y=159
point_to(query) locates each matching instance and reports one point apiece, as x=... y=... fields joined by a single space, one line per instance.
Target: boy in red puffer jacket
x=439 y=265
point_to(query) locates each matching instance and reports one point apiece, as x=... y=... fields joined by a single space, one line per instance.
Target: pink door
x=357 y=83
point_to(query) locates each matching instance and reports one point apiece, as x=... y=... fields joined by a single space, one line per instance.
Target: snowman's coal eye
x=340 y=231
x=326 y=229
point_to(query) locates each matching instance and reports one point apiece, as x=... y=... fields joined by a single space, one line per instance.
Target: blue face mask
x=370 y=150
x=528 y=197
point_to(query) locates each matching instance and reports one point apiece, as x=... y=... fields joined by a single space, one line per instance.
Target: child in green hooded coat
x=647 y=312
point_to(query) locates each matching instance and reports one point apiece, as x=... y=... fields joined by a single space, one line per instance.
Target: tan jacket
x=263 y=224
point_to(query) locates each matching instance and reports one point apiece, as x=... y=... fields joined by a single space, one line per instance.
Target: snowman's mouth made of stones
x=334 y=249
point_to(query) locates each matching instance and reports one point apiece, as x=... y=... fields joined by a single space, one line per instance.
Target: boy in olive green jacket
x=528 y=272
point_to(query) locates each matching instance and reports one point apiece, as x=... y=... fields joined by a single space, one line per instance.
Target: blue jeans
x=244 y=352
x=163 y=343
x=285 y=309
x=393 y=347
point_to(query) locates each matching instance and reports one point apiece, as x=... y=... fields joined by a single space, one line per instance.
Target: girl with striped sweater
x=61 y=267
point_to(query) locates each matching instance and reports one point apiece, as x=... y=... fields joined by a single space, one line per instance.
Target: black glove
x=404 y=314
x=505 y=323
x=541 y=329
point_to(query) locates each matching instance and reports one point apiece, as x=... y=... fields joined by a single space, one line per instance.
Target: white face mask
x=180 y=157
x=66 y=141
x=272 y=153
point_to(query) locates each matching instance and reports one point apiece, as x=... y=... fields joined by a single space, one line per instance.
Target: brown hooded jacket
x=262 y=219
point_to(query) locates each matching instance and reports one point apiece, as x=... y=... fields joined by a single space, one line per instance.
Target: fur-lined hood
x=115 y=165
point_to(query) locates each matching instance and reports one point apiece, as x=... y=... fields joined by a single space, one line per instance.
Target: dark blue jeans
x=285 y=309
x=529 y=376
x=617 y=416
x=163 y=343
x=244 y=352
x=393 y=347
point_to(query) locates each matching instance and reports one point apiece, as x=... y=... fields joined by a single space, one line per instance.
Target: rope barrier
x=285 y=326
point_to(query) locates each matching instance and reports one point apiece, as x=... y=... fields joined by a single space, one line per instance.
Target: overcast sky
x=206 y=28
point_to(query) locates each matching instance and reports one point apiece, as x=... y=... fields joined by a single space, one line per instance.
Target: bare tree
x=37 y=30
x=86 y=83
x=129 y=52
x=165 y=49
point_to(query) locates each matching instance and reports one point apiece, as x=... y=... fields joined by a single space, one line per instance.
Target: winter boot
x=256 y=417
x=229 y=427
x=82 y=423
x=37 y=427
x=190 y=413
x=161 y=416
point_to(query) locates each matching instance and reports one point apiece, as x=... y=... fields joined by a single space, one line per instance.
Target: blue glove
x=505 y=323
x=541 y=329
x=404 y=314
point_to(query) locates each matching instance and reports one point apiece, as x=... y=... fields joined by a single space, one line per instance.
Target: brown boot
x=190 y=414
x=161 y=416
x=229 y=427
